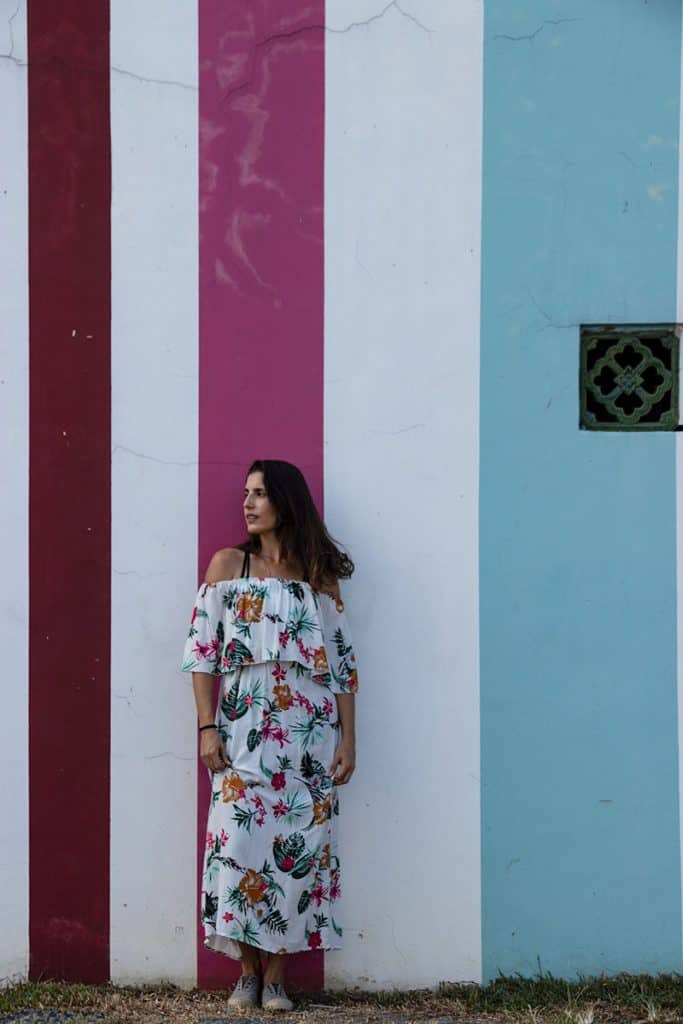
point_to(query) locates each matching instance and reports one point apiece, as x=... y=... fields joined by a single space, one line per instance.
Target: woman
x=269 y=619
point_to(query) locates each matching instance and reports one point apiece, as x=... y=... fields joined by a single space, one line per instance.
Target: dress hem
x=230 y=944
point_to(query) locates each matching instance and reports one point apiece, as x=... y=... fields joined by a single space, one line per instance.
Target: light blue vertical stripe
x=580 y=821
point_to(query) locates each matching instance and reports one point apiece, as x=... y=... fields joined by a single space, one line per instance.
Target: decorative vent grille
x=629 y=377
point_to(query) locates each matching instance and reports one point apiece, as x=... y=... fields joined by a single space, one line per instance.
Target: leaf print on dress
x=295 y=588
x=317 y=780
x=275 y=922
x=346 y=677
x=301 y=622
x=209 y=908
x=237 y=702
x=319 y=784
x=244 y=932
x=292 y=807
x=318 y=893
x=291 y=855
x=236 y=653
x=216 y=857
x=308 y=730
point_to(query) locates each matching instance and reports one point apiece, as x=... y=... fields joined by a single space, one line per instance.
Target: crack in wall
x=136 y=572
x=551 y=322
x=154 y=81
x=152 y=458
x=168 y=753
x=376 y=17
x=532 y=35
x=222 y=463
x=9 y=56
x=276 y=37
x=10 y=26
x=304 y=29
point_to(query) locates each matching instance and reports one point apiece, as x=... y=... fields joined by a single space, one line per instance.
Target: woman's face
x=259 y=514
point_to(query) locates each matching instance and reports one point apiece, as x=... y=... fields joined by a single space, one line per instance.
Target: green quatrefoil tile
x=629 y=377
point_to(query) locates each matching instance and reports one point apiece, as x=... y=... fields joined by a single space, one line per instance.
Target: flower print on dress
x=320 y=660
x=253 y=887
x=249 y=608
x=233 y=788
x=275 y=732
x=319 y=894
x=283 y=697
x=322 y=810
x=247 y=816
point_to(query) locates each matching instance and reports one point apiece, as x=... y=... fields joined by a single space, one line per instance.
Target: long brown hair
x=300 y=531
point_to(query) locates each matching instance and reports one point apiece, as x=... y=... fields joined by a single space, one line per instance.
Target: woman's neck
x=270 y=549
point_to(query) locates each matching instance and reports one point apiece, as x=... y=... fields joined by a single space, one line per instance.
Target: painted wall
x=580 y=821
x=402 y=251
x=361 y=236
x=154 y=487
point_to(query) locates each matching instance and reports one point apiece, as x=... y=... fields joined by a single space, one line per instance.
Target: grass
x=540 y=1000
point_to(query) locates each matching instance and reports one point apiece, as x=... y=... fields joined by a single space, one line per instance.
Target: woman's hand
x=344 y=762
x=211 y=750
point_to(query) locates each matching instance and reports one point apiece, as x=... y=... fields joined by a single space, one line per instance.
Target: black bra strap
x=245 y=564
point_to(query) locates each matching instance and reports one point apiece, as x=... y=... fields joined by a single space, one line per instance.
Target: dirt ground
x=180 y=1007
x=621 y=1000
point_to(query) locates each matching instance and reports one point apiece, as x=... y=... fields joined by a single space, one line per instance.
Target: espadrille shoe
x=246 y=993
x=275 y=998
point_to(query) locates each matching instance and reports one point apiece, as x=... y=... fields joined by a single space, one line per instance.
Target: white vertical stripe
x=402 y=285
x=679 y=485
x=154 y=488
x=14 y=434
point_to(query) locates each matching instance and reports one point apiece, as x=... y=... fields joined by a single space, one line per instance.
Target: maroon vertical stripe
x=69 y=490
x=261 y=290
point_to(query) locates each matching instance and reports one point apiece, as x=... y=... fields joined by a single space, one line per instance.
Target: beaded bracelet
x=203 y=727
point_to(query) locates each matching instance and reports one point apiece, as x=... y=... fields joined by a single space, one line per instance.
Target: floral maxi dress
x=271 y=873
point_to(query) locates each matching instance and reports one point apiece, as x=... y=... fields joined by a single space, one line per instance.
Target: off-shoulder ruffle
x=254 y=619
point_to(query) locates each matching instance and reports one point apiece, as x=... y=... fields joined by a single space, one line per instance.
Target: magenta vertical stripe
x=261 y=147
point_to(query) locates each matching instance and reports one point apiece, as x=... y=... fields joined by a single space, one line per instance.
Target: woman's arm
x=344 y=761
x=211 y=749
x=202 y=684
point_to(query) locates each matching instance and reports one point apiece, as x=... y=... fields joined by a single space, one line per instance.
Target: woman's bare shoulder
x=224 y=565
